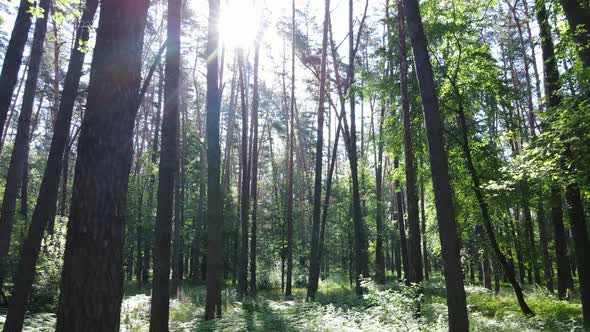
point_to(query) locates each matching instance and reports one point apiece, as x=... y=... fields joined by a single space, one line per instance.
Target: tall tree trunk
x=93 y=258
x=13 y=58
x=414 y=251
x=291 y=143
x=45 y=207
x=254 y=164
x=487 y=221
x=21 y=141
x=439 y=167
x=573 y=199
x=360 y=231
x=147 y=256
x=214 y=191
x=379 y=256
x=245 y=185
x=314 y=258
x=167 y=174
x=403 y=241
x=423 y=219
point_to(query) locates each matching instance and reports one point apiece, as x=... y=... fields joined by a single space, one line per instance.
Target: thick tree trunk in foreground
x=13 y=59
x=92 y=278
x=23 y=133
x=443 y=195
x=214 y=191
x=45 y=208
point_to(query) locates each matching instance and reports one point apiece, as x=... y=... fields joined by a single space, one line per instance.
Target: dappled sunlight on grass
x=338 y=308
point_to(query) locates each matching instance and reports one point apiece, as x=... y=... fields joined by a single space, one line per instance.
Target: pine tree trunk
x=92 y=278
x=254 y=168
x=214 y=191
x=314 y=258
x=23 y=133
x=443 y=196
x=13 y=59
x=245 y=185
x=45 y=207
x=544 y=241
x=167 y=174
x=415 y=274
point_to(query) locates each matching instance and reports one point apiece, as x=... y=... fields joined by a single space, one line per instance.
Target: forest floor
x=337 y=308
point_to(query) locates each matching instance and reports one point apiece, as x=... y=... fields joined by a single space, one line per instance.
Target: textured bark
x=443 y=195
x=214 y=191
x=167 y=174
x=254 y=167
x=45 y=208
x=415 y=274
x=23 y=133
x=314 y=258
x=92 y=278
x=13 y=59
x=360 y=231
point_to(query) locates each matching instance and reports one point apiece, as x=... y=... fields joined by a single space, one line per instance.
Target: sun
x=239 y=23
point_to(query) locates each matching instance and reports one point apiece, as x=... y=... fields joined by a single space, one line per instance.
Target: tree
x=245 y=185
x=23 y=133
x=214 y=191
x=414 y=270
x=254 y=166
x=45 y=207
x=13 y=58
x=577 y=13
x=314 y=262
x=291 y=143
x=168 y=173
x=573 y=198
x=93 y=262
x=445 y=210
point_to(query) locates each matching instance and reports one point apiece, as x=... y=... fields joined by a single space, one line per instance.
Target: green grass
x=337 y=308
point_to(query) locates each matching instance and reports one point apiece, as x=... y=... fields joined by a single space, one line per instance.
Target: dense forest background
x=295 y=165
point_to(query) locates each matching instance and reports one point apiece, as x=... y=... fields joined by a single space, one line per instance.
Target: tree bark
x=415 y=274
x=23 y=133
x=167 y=174
x=214 y=191
x=577 y=13
x=314 y=258
x=13 y=58
x=92 y=278
x=245 y=185
x=544 y=241
x=45 y=208
x=254 y=167
x=443 y=195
